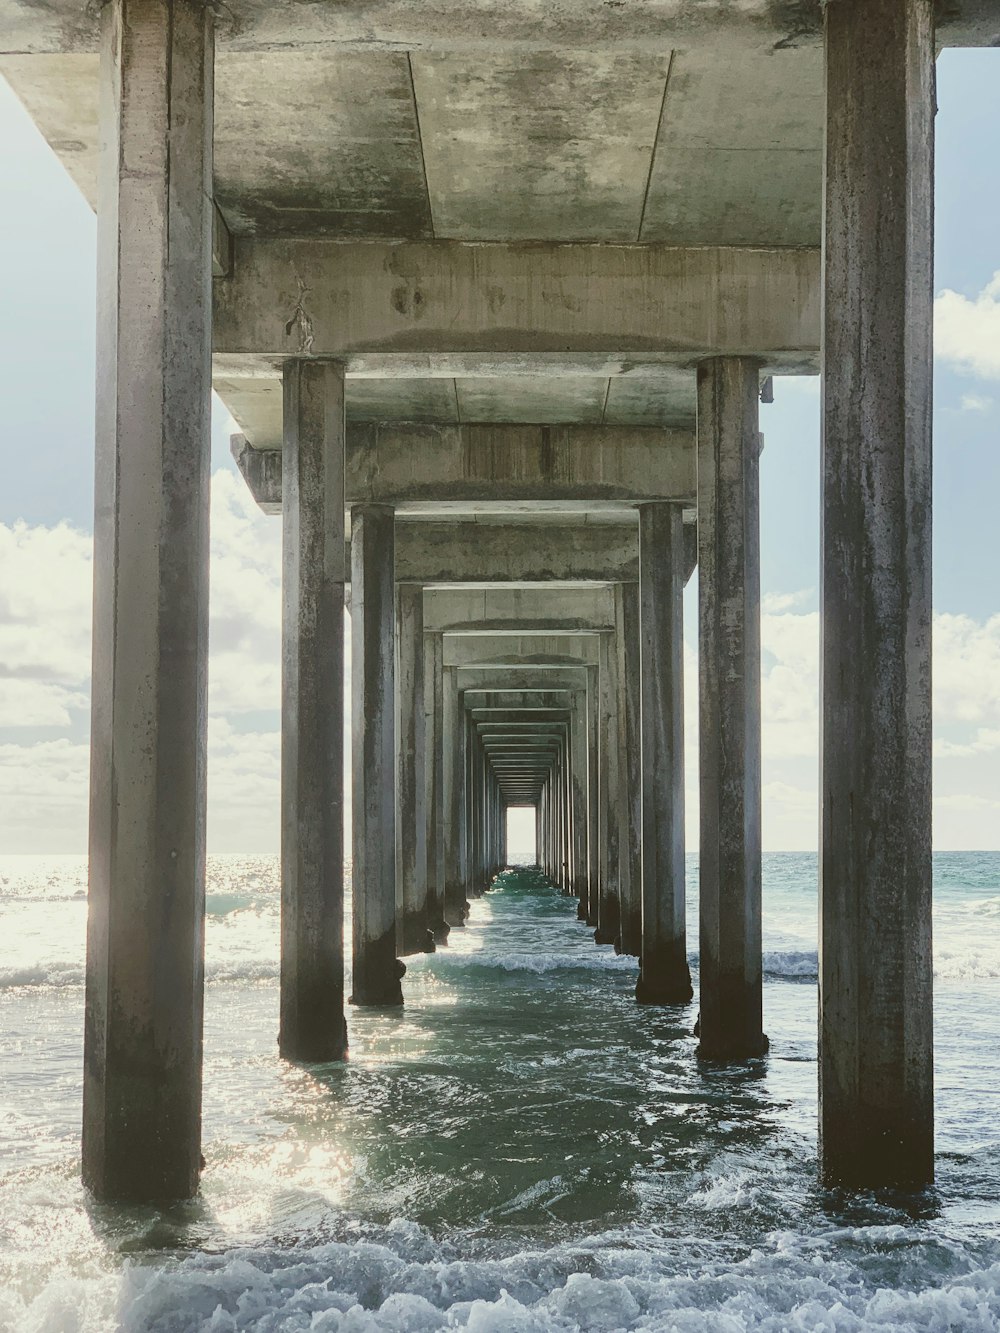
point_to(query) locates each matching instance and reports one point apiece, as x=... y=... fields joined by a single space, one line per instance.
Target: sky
x=47 y=318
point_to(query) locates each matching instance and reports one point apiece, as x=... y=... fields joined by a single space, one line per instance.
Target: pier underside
x=492 y=293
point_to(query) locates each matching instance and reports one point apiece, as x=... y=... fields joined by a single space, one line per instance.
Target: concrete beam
x=500 y=682
x=515 y=25
x=433 y=467
x=467 y=552
x=534 y=610
x=387 y=301
x=542 y=653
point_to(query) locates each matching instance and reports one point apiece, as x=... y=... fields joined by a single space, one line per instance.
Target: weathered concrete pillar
x=476 y=876
x=312 y=714
x=414 y=935
x=453 y=746
x=608 y=908
x=377 y=970
x=876 y=1066
x=593 y=813
x=664 y=976
x=730 y=1025
x=630 y=748
x=145 y=937
x=578 y=767
x=434 y=746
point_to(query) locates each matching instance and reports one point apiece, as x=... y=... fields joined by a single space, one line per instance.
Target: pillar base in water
x=604 y=936
x=381 y=993
x=316 y=1048
x=417 y=937
x=884 y=1156
x=439 y=930
x=629 y=939
x=665 y=990
x=731 y=1045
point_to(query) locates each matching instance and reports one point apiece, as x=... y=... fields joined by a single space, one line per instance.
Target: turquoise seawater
x=520 y=1148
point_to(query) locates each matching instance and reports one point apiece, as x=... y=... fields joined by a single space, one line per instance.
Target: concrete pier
x=312 y=722
x=876 y=1059
x=145 y=936
x=664 y=976
x=493 y=379
x=377 y=970
x=413 y=929
x=731 y=966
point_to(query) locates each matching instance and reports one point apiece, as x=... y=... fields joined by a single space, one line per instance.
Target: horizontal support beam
x=515 y=25
x=486 y=551
x=469 y=552
x=529 y=717
x=487 y=681
x=541 y=653
x=432 y=466
x=290 y=297
x=534 y=610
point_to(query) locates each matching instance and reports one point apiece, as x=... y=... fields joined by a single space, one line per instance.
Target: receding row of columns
x=145 y=974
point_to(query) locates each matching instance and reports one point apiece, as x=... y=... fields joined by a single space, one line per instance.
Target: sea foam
x=408 y=1283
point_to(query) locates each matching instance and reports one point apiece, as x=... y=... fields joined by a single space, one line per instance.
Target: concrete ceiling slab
x=306 y=142
x=59 y=93
x=402 y=400
x=540 y=400
x=667 y=398
x=739 y=156
x=255 y=403
x=553 y=145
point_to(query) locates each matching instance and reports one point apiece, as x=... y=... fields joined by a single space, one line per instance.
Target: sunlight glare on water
x=520 y=1147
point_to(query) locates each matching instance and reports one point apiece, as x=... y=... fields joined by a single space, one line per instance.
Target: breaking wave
x=406 y=1282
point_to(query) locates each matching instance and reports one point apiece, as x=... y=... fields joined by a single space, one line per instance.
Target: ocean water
x=521 y=1148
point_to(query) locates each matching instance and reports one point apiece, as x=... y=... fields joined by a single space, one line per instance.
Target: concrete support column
x=478 y=873
x=453 y=756
x=434 y=746
x=730 y=1026
x=411 y=786
x=145 y=936
x=312 y=720
x=608 y=909
x=664 y=976
x=630 y=748
x=578 y=765
x=876 y=1066
x=377 y=970
x=589 y=914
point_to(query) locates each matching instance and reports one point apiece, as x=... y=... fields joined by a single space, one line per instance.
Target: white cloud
x=245 y=602
x=967 y=330
x=45 y=601
x=976 y=402
x=43 y=796
x=966 y=670
x=44 y=676
x=45 y=628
